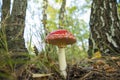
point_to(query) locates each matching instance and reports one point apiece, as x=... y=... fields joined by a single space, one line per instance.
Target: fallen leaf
x=97 y=55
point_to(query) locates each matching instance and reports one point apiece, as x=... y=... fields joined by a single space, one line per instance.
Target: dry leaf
x=100 y=62
x=110 y=70
x=118 y=63
x=106 y=67
x=115 y=58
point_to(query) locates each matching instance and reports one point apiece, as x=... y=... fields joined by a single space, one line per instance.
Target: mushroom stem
x=62 y=61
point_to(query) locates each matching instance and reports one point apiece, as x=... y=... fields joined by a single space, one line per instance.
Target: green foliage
x=5 y=60
x=52 y=12
x=119 y=10
x=30 y=47
x=52 y=17
x=71 y=9
x=75 y=53
x=58 y=1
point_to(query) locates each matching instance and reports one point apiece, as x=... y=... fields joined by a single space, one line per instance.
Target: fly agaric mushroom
x=61 y=38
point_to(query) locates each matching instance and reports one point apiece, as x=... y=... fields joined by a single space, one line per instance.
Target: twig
x=86 y=75
x=41 y=75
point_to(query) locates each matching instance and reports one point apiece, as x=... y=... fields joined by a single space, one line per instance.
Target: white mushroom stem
x=62 y=61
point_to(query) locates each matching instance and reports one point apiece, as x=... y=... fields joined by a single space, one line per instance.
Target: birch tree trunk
x=104 y=27
x=11 y=37
x=15 y=27
x=4 y=18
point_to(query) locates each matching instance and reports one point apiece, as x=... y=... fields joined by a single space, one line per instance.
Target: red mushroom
x=61 y=38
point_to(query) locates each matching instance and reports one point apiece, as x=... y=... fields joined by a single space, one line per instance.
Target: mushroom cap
x=60 y=37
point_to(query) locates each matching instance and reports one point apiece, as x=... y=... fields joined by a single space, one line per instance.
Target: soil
x=107 y=68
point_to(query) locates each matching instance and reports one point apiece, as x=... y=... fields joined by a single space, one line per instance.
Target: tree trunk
x=61 y=15
x=11 y=37
x=15 y=27
x=104 y=27
x=5 y=10
x=4 y=18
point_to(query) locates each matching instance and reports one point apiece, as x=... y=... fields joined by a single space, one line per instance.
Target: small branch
x=61 y=14
x=44 y=20
x=86 y=75
x=41 y=75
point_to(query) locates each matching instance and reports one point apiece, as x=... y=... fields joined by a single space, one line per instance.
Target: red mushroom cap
x=61 y=38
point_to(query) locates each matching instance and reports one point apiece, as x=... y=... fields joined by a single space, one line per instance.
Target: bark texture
x=61 y=15
x=11 y=39
x=104 y=27
x=4 y=18
x=5 y=10
x=15 y=27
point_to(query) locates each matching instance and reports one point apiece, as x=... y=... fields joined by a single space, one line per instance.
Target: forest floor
x=106 y=68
